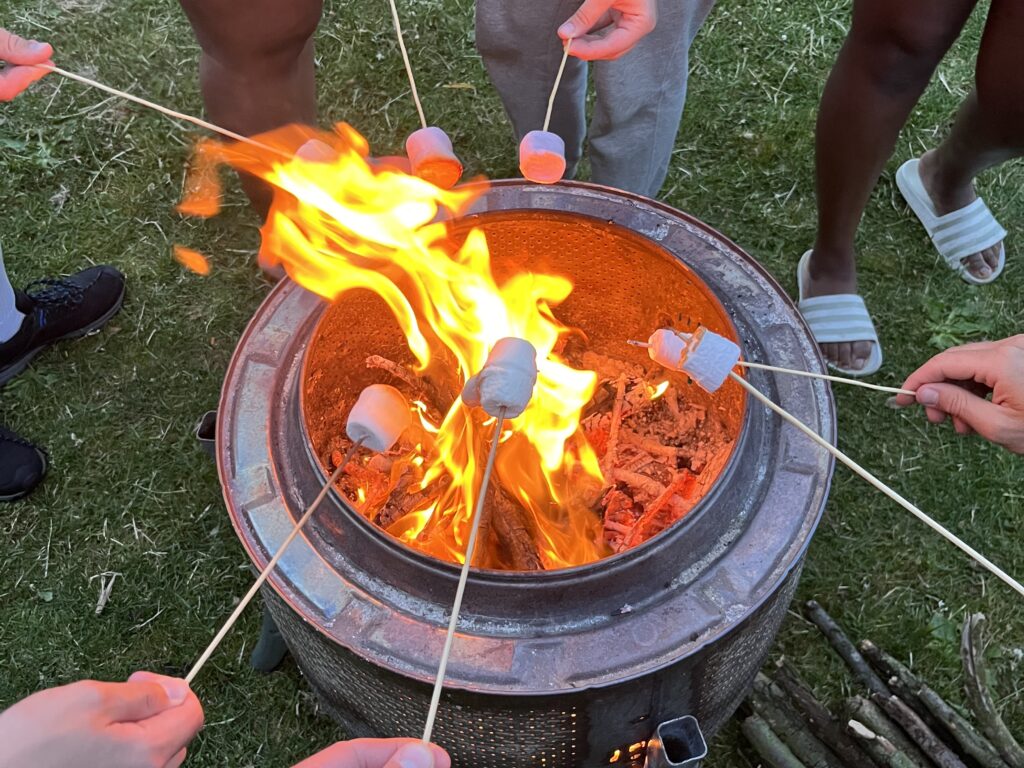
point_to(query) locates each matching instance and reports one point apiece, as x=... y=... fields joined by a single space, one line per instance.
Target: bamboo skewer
x=808 y=374
x=435 y=699
x=885 y=489
x=163 y=110
x=827 y=377
x=265 y=573
x=408 y=65
x=558 y=82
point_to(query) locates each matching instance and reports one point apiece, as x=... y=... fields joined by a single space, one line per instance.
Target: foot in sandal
x=837 y=317
x=961 y=226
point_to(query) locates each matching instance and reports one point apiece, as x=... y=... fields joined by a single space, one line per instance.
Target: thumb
x=584 y=19
x=16 y=50
x=415 y=755
x=981 y=415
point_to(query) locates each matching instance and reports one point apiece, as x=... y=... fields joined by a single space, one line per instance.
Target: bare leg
x=989 y=127
x=256 y=67
x=886 y=62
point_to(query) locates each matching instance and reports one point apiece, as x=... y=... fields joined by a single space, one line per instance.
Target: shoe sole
x=23 y=362
x=23 y=494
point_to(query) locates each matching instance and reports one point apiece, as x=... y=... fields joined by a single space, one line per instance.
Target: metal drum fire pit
x=558 y=668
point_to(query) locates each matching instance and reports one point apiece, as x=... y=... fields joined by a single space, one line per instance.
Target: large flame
x=344 y=221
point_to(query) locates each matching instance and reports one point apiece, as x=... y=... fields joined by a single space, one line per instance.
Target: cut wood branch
x=870 y=714
x=842 y=645
x=918 y=731
x=910 y=688
x=820 y=721
x=972 y=652
x=772 y=706
x=769 y=746
x=510 y=526
x=882 y=751
x=608 y=462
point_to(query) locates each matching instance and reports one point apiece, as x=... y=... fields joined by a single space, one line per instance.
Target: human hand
x=18 y=56
x=145 y=722
x=607 y=29
x=379 y=753
x=957 y=382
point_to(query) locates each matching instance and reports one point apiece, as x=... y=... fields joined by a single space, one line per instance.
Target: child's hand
x=147 y=721
x=379 y=753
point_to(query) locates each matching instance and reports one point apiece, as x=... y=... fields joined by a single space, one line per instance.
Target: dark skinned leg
x=885 y=64
x=256 y=67
x=989 y=127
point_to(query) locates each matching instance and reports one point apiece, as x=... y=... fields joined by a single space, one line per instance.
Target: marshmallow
x=707 y=357
x=542 y=157
x=506 y=380
x=316 y=151
x=379 y=417
x=432 y=157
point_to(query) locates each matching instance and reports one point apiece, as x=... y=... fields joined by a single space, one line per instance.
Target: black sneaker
x=60 y=308
x=22 y=466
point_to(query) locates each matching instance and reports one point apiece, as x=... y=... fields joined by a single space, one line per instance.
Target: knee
x=901 y=59
x=255 y=36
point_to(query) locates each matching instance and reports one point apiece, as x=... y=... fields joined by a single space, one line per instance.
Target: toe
x=831 y=353
x=991 y=256
x=846 y=356
x=978 y=266
x=861 y=354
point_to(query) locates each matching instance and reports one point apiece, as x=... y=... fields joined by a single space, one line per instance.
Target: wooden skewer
x=885 y=489
x=408 y=65
x=808 y=374
x=435 y=699
x=265 y=573
x=558 y=82
x=163 y=110
x=827 y=377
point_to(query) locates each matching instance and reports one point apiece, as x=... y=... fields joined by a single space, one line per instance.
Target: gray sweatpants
x=639 y=97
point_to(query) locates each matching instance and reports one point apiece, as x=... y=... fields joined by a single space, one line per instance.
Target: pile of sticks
x=897 y=722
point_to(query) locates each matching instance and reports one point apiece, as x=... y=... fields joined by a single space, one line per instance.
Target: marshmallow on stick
x=506 y=382
x=432 y=157
x=542 y=157
x=707 y=357
x=379 y=417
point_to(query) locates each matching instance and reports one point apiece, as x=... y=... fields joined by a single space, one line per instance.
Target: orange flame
x=340 y=221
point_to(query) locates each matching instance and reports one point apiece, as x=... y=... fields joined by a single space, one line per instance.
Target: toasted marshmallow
x=542 y=157
x=432 y=157
x=506 y=381
x=379 y=417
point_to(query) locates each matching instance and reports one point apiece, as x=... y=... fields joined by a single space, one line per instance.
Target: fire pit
x=566 y=656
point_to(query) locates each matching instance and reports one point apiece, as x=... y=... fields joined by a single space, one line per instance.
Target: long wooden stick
x=453 y=622
x=826 y=377
x=808 y=374
x=558 y=82
x=265 y=573
x=885 y=489
x=408 y=64
x=163 y=110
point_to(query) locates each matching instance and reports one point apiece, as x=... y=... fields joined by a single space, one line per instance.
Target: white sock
x=10 y=317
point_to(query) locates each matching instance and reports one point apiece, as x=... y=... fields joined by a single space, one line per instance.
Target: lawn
x=89 y=179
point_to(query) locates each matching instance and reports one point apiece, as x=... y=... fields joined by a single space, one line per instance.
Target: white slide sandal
x=955 y=235
x=838 y=319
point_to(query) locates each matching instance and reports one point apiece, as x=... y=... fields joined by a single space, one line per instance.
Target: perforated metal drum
x=575 y=667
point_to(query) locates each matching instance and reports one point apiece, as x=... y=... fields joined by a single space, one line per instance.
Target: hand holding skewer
x=20 y=62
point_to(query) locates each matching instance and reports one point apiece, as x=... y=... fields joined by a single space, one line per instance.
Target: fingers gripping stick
x=506 y=382
x=376 y=421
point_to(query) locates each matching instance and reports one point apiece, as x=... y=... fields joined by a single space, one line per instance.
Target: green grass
x=88 y=179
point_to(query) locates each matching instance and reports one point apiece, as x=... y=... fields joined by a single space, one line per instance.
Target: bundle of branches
x=658 y=453
x=898 y=722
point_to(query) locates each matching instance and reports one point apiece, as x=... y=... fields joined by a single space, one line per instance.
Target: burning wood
x=659 y=454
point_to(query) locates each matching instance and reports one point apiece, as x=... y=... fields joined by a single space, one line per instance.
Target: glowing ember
x=337 y=225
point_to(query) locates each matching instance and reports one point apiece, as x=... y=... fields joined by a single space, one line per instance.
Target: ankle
x=833 y=262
